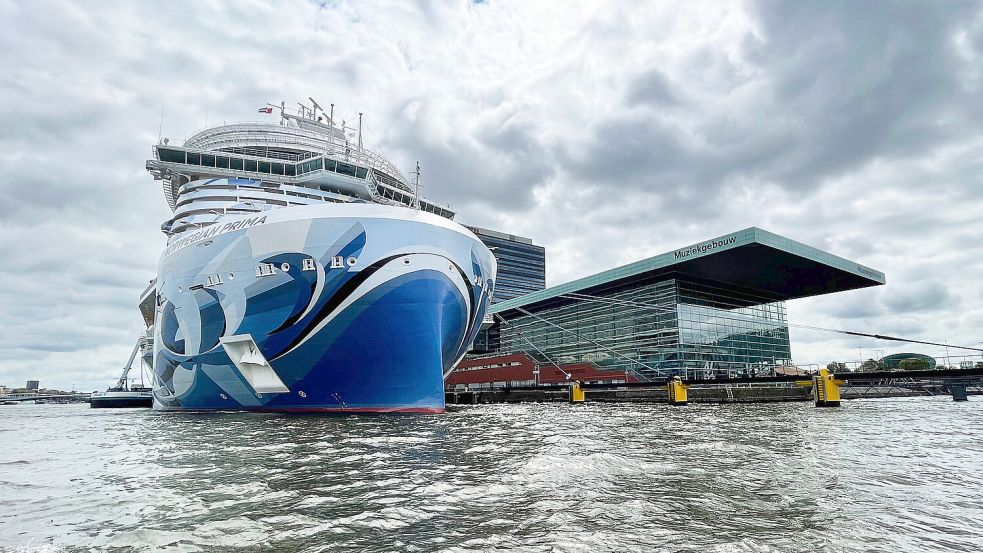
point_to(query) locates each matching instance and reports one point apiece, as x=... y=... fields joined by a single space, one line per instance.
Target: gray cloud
x=651 y=88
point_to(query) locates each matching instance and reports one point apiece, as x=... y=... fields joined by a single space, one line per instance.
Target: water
x=878 y=475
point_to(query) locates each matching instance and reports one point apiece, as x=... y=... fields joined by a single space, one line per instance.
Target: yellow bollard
x=826 y=389
x=677 y=391
x=576 y=392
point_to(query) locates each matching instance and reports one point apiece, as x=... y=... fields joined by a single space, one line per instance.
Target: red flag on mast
x=266 y=110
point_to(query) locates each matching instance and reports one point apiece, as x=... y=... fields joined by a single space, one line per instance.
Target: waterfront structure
x=303 y=272
x=716 y=308
x=521 y=264
x=33 y=385
x=519 y=369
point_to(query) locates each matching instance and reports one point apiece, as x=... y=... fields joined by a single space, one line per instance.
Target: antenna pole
x=160 y=130
x=360 y=133
x=331 y=118
x=416 y=200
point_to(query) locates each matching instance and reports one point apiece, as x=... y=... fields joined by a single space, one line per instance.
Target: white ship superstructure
x=300 y=161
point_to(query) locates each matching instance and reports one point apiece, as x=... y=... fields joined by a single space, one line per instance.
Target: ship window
x=264 y=167
x=250 y=165
x=361 y=172
x=170 y=155
x=194 y=159
x=222 y=161
x=346 y=169
x=207 y=160
x=317 y=164
x=235 y=163
x=277 y=168
x=290 y=169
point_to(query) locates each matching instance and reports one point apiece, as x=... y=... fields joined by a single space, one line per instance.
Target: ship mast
x=416 y=195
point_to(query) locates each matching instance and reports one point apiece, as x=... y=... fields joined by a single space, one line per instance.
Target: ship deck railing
x=257 y=131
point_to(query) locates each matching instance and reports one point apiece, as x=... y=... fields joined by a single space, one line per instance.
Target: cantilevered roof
x=753 y=260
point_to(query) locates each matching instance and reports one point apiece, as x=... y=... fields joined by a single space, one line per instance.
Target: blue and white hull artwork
x=317 y=308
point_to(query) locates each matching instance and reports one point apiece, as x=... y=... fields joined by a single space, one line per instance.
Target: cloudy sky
x=607 y=132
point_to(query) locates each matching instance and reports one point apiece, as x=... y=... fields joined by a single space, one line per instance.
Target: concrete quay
x=654 y=394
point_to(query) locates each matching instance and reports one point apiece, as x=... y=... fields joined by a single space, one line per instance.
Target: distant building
x=521 y=264
x=33 y=385
x=4 y=391
x=521 y=271
x=907 y=361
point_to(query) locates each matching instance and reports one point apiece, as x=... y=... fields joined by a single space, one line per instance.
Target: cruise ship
x=303 y=272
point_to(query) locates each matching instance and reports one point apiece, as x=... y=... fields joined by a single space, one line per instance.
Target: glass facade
x=655 y=329
x=521 y=264
x=521 y=270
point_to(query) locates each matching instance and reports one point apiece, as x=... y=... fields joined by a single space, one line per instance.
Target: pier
x=958 y=383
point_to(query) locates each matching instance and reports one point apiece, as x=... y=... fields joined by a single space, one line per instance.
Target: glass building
x=521 y=264
x=521 y=271
x=714 y=308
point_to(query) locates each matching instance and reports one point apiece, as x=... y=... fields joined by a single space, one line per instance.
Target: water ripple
x=880 y=475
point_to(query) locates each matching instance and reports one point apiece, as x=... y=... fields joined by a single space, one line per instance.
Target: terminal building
x=709 y=309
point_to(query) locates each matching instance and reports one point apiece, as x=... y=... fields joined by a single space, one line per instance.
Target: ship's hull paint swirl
x=376 y=334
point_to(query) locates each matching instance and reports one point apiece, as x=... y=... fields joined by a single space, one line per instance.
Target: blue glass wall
x=521 y=270
x=521 y=264
x=656 y=329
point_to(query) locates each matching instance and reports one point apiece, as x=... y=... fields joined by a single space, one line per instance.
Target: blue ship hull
x=327 y=308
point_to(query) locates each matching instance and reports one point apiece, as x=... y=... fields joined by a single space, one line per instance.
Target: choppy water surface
x=878 y=475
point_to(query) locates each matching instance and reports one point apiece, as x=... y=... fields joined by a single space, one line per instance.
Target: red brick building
x=518 y=369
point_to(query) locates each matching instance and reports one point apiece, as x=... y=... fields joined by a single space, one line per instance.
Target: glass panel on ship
x=247 y=167
x=658 y=329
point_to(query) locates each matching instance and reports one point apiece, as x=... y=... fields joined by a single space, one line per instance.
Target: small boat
x=123 y=394
x=136 y=396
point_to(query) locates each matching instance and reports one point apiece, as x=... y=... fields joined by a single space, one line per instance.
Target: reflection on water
x=878 y=475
